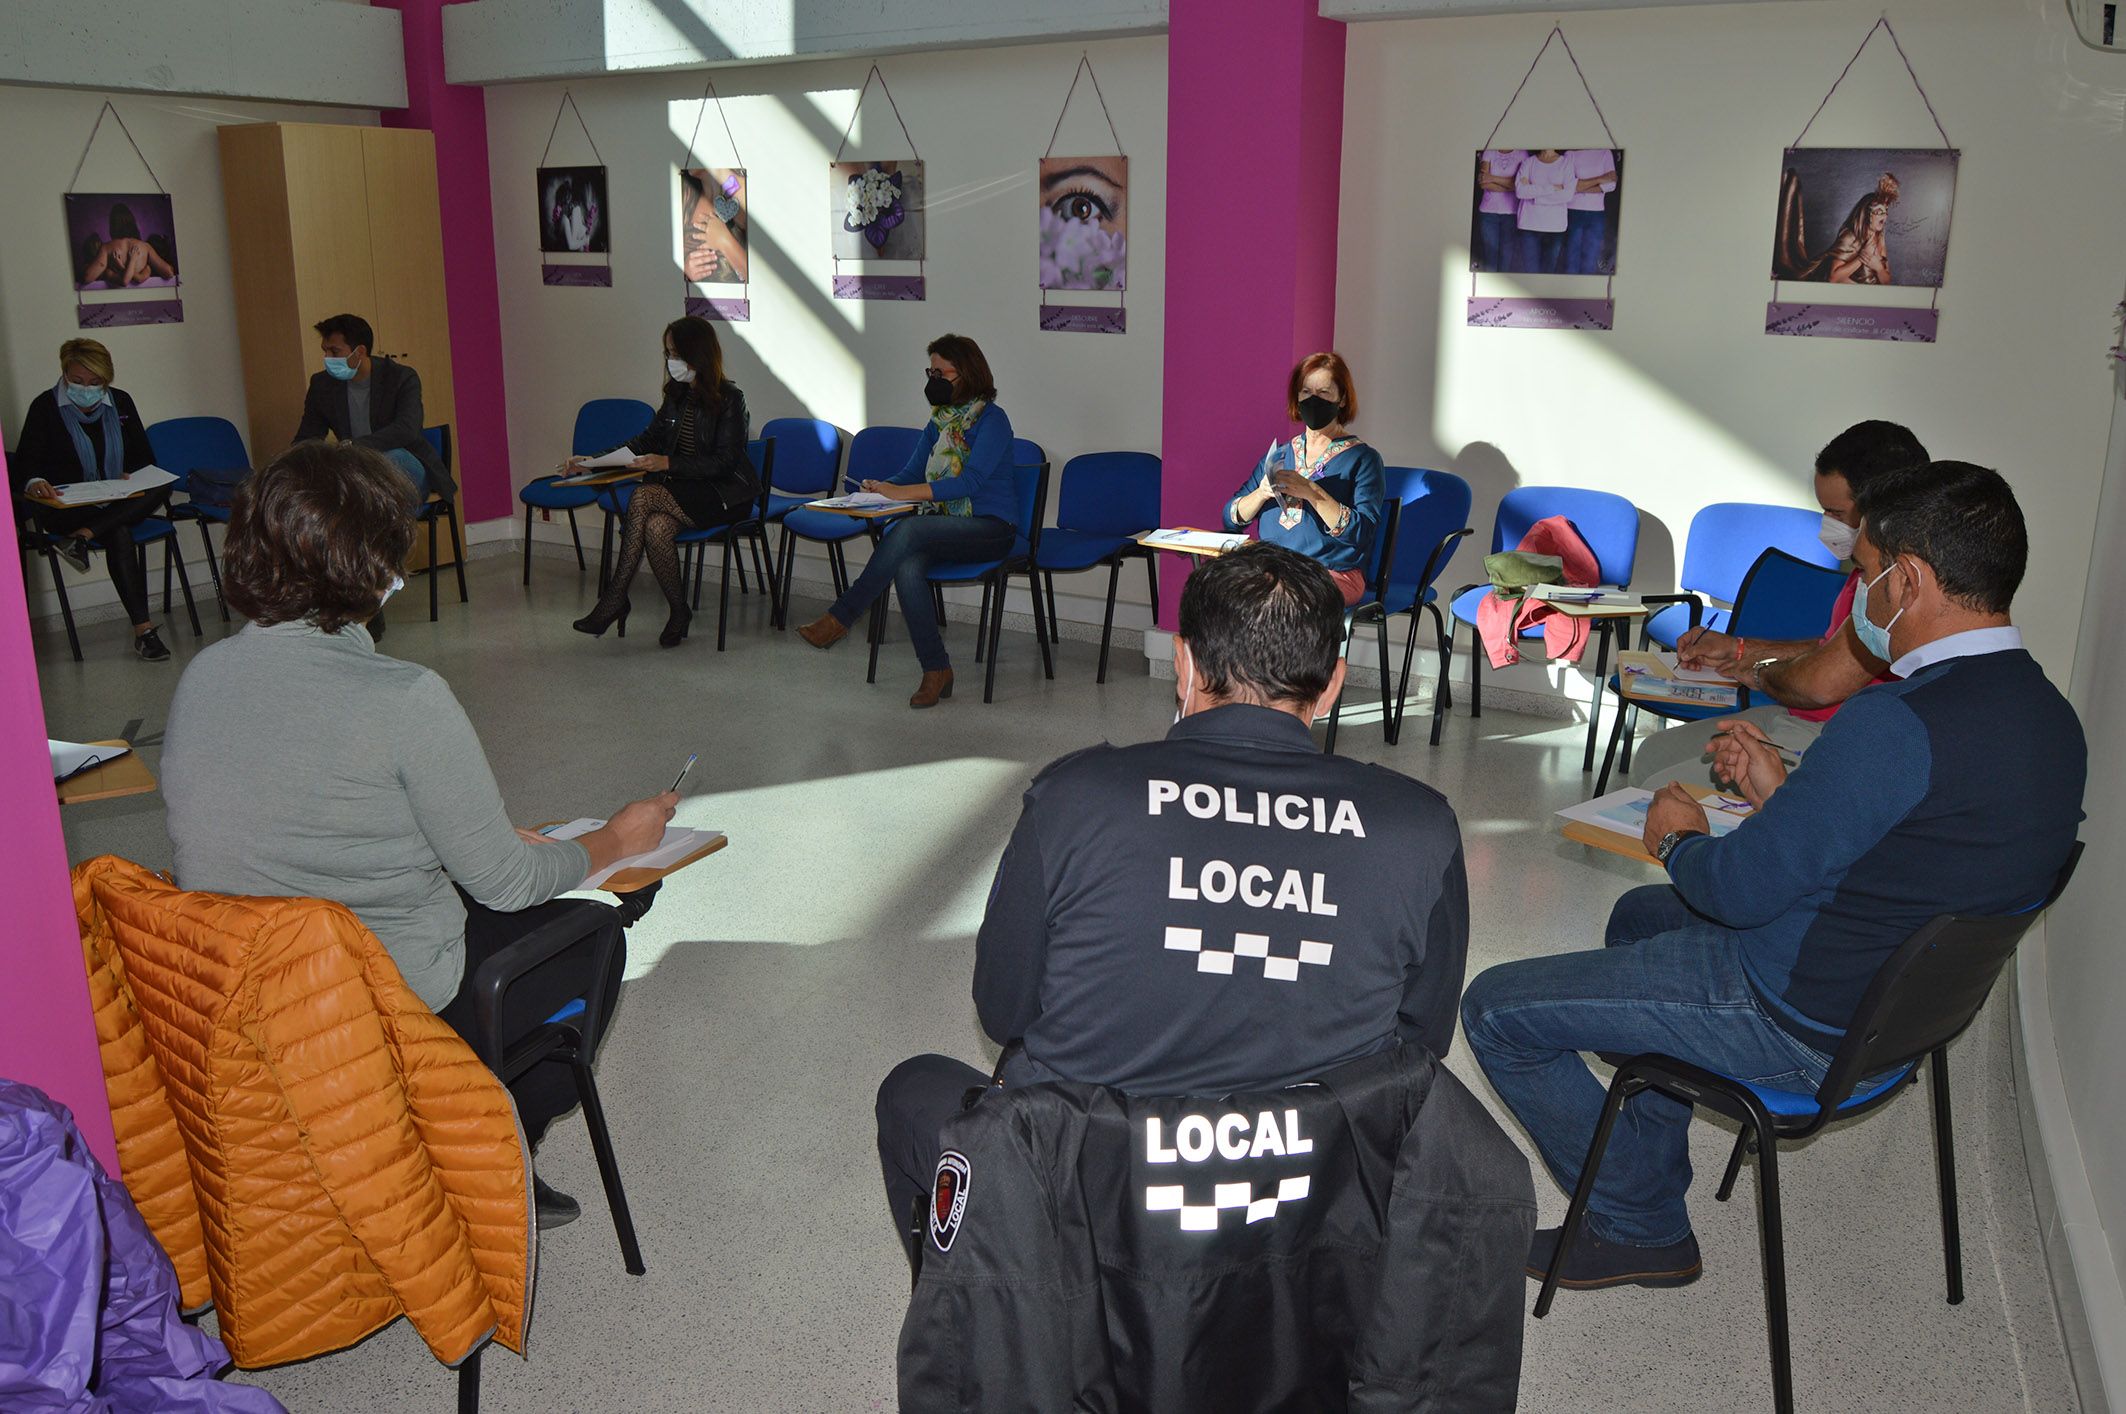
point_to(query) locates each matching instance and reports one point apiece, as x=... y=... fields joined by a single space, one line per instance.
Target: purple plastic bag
x=88 y=1299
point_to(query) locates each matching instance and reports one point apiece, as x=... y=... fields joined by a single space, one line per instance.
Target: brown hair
x=317 y=535
x=90 y=355
x=695 y=344
x=963 y=353
x=1338 y=369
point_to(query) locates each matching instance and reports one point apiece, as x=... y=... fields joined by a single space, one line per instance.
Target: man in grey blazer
x=374 y=402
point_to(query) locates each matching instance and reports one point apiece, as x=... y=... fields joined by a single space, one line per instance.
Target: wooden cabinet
x=328 y=220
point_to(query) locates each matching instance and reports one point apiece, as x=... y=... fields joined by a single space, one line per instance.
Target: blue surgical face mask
x=340 y=368
x=1873 y=636
x=84 y=395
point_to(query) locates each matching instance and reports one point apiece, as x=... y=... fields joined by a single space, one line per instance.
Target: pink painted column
x=1254 y=148
x=458 y=118
x=49 y=1038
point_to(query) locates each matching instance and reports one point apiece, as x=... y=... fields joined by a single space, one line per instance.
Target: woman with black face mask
x=966 y=509
x=1322 y=491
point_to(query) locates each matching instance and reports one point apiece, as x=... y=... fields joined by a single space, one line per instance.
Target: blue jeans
x=1539 y=252
x=1494 y=239
x=1668 y=980
x=410 y=464
x=912 y=547
x=1583 y=242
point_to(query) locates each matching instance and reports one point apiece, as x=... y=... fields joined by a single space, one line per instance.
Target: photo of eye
x=712 y=225
x=1084 y=222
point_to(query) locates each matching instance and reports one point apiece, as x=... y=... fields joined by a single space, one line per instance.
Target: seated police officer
x=1224 y=909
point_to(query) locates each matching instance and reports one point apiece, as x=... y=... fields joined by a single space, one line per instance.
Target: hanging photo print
x=1863 y=216
x=1083 y=217
x=574 y=214
x=712 y=225
x=1547 y=211
x=123 y=241
x=875 y=211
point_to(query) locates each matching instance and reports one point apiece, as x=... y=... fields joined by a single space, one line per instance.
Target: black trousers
x=914 y=1102
x=112 y=525
x=548 y=1090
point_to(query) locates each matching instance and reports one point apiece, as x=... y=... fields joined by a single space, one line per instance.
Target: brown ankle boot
x=824 y=631
x=931 y=688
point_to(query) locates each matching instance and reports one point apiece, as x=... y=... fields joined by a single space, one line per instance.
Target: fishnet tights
x=651 y=529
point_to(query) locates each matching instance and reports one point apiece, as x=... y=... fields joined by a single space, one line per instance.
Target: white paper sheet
x=677 y=844
x=1604 y=595
x=96 y=493
x=1623 y=812
x=855 y=501
x=1217 y=541
x=71 y=758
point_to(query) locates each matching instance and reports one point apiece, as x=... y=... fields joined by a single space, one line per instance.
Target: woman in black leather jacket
x=699 y=476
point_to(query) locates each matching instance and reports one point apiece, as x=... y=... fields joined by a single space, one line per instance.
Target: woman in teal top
x=960 y=479
x=1322 y=491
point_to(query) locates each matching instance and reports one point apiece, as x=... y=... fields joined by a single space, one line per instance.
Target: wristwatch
x=1754 y=674
x=1668 y=843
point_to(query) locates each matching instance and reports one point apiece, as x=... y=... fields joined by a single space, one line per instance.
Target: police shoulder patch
x=948 y=1198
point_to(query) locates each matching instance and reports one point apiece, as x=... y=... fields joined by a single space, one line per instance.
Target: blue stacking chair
x=184 y=445
x=1781 y=598
x=1920 y=1000
x=1030 y=481
x=601 y=424
x=761 y=451
x=1610 y=526
x=808 y=464
x=153 y=530
x=1432 y=519
x=875 y=454
x=1107 y=499
x=440 y=507
x=1723 y=545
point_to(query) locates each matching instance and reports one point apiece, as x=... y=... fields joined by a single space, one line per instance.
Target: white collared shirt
x=1971 y=643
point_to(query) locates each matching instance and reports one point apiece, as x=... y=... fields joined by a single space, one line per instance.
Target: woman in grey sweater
x=301 y=763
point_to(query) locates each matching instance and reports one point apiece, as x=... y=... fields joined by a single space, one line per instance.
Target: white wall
x=172 y=370
x=1686 y=401
x=980 y=120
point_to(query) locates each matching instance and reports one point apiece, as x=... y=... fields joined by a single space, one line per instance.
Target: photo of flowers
x=1084 y=223
x=1864 y=215
x=712 y=225
x=877 y=210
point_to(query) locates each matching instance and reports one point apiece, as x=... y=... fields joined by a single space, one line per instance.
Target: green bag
x=1512 y=571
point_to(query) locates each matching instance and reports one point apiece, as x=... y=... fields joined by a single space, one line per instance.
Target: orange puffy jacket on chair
x=316 y=1150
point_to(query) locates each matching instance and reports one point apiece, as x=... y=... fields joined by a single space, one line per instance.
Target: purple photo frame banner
x=1847 y=321
x=886 y=287
x=730 y=311
x=120 y=314
x=1084 y=318
x=599 y=276
x=1530 y=312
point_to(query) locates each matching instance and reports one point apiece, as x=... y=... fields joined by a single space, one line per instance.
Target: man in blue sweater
x=1955 y=790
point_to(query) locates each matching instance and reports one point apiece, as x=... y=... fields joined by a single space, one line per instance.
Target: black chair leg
x=1631 y=733
x=214 y=571
x=165 y=574
x=995 y=605
x=172 y=556
x=1055 y=633
x=432 y=614
x=1476 y=683
x=937 y=603
x=527 y=542
x=877 y=633
x=1768 y=1219
x=981 y=623
x=1390 y=723
x=457 y=550
x=742 y=587
x=575 y=537
x=1734 y=1167
x=1601 y=687
x=469 y=1383
x=1621 y=1088
x=1151 y=576
x=1609 y=757
x=1107 y=622
x=608 y=1164
x=1045 y=634
x=1441 y=697
x=1328 y=745
x=771 y=573
x=723 y=594
x=66 y=610
x=1952 y=1246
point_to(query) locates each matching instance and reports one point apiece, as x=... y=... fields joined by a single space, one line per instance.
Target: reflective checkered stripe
x=1252 y=945
x=1234 y=1197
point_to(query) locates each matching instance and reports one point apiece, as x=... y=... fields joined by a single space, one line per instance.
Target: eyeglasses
x=929 y=372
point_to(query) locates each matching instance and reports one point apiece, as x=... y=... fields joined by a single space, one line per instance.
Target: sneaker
x=1593 y=1264
x=553 y=1207
x=75 y=551
x=148 y=648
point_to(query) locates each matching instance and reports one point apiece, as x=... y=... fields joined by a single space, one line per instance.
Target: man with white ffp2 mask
x=1805 y=680
x=1223 y=909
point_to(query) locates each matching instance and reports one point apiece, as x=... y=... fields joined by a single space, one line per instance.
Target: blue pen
x=683 y=773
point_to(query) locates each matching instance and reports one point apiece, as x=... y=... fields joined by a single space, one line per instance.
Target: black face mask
x=1317 y=412
x=938 y=390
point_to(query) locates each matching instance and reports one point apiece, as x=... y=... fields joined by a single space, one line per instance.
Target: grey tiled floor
x=774 y=985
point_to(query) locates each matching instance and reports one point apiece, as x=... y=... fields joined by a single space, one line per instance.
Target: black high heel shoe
x=595 y=626
x=675 y=628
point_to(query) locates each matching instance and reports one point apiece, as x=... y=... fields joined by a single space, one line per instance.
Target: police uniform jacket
x=1354 y=1244
x=1226 y=908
